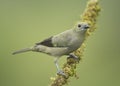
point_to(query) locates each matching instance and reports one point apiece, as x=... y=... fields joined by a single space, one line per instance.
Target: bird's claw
x=60 y=72
x=73 y=56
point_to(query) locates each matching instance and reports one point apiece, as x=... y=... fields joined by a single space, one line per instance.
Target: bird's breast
x=74 y=44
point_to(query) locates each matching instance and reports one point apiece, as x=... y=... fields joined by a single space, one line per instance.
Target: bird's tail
x=22 y=50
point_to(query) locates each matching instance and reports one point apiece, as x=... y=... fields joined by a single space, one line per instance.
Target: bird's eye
x=79 y=25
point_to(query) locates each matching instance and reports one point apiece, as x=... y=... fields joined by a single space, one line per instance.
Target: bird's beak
x=86 y=27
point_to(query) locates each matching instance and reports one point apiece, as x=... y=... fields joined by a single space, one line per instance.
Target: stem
x=89 y=15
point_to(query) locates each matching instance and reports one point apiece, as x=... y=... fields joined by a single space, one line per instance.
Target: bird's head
x=82 y=26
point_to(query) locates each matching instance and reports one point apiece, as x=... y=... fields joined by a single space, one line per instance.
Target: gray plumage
x=62 y=44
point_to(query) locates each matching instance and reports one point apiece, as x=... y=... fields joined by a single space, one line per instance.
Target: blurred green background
x=25 y=22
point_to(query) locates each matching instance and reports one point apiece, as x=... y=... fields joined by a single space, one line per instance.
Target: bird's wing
x=60 y=40
x=46 y=42
x=63 y=39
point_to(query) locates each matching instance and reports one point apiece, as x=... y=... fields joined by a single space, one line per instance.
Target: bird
x=64 y=43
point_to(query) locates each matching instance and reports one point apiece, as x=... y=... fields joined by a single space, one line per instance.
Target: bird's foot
x=72 y=55
x=60 y=72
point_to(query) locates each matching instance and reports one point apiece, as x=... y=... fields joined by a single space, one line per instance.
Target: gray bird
x=62 y=44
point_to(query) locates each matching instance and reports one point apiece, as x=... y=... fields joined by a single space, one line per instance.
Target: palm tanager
x=61 y=44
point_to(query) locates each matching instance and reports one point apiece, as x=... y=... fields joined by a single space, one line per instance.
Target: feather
x=46 y=42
